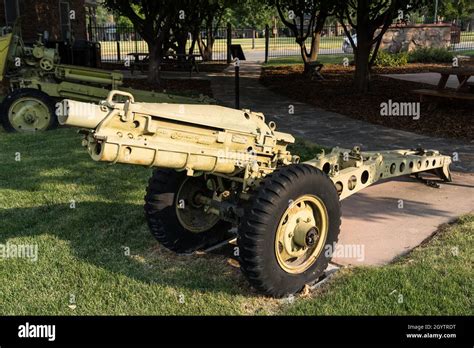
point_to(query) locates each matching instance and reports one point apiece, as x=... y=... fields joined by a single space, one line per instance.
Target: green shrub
x=386 y=59
x=430 y=55
x=305 y=149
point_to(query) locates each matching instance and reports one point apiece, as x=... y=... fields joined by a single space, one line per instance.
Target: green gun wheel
x=175 y=217
x=291 y=219
x=28 y=110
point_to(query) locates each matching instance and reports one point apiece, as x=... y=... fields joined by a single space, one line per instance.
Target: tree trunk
x=315 y=43
x=313 y=54
x=181 y=47
x=200 y=43
x=194 y=37
x=362 y=57
x=204 y=50
x=181 y=43
x=208 y=51
x=305 y=57
x=155 y=51
x=209 y=43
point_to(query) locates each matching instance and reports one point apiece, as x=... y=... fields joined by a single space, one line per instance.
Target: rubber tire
x=160 y=212
x=257 y=230
x=26 y=92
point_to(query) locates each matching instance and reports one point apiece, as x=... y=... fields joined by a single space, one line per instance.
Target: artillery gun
x=218 y=168
x=37 y=81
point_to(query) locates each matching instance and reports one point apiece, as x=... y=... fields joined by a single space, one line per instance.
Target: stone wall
x=410 y=37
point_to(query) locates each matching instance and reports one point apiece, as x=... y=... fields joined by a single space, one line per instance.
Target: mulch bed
x=213 y=66
x=174 y=86
x=451 y=119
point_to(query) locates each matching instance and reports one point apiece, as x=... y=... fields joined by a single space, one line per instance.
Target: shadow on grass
x=43 y=161
x=108 y=218
x=115 y=237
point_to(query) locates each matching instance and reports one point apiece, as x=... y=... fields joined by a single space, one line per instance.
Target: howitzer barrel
x=78 y=114
x=206 y=138
x=83 y=74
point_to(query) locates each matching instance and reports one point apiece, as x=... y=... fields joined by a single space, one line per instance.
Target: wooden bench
x=315 y=70
x=443 y=93
x=186 y=62
x=137 y=62
x=471 y=86
x=171 y=60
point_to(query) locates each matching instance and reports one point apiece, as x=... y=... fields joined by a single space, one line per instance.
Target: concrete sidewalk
x=392 y=217
x=372 y=220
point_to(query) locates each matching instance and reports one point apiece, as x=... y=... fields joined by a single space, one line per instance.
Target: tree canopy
x=451 y=10
x=370 y=19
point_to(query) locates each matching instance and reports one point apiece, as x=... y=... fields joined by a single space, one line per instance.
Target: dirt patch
x=408 y=69
x=175 y=86
x=213 y=66
x=450 y=119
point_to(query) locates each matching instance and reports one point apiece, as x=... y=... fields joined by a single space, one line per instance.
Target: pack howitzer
x=37 y=80
x=219 y=168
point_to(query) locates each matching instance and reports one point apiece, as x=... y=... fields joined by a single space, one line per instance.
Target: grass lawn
x=331 y=58
x=296 y=60
x=327 y=42
x=85 y=217
x=467 y=36
x=466 y=53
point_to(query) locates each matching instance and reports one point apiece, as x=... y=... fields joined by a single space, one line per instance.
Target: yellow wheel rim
x=189 y=211
x=301 y=234
x=29 y=114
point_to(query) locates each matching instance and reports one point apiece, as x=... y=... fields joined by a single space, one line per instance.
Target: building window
x=12 y=11
x=65 y=20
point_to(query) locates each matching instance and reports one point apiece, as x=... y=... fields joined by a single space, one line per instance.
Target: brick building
x=59 y=20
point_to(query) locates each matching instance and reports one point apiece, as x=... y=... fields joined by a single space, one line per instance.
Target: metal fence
x=219 y=49
x=117 y=43
x=333 y=41
x=462 y=40
x=282 y=42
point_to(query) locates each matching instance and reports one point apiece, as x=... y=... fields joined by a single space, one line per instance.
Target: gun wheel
x=301 y=234
x=289 y=221
x=175 y=214
x=28 y=110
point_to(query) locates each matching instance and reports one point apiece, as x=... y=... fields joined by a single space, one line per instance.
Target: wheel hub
x=189 y=209
x=30 y=117
x=301 y=234
x=312 y=236
x=29 y=114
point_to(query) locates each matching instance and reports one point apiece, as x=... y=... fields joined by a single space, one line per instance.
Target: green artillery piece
x=37 y=81
x=219 y=168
